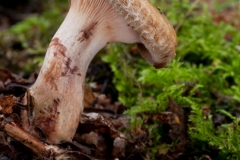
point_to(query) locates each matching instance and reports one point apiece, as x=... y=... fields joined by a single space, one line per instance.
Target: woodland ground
x=188 y=111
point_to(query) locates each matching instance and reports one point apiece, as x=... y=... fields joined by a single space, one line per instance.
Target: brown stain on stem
x=61 y=49
x=48 y=120
x=53 y=73
x=85 y=34
x=60 y=65
x=160 y=65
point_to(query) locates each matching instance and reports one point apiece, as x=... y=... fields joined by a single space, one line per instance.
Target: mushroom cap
x=158 y=38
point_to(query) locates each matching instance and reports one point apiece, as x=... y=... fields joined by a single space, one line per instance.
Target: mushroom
x=57 y=95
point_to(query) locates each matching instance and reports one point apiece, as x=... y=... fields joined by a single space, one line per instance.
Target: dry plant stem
x=141 y=98
x=26 y=139
x=138 y=84
x=187 y=14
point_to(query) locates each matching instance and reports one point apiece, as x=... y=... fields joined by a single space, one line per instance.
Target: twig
x=141 y=97
x=38 y=147
x=138 y=84
x=26 y=139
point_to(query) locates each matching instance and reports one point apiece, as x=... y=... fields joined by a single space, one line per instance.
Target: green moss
x=206 y=66
x=31 y=36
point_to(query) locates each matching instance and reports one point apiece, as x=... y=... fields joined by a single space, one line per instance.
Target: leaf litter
x=103 y=133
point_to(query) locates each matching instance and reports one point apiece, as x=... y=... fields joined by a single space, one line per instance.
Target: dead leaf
x=103 y=100
x=7 y=103
x=91 y=138
x=163 y=148
x=88 y=96
x=141 y=136
x=168 y=118
x=206 y=111
x=103 y=144
x=119 y=144
x=176 y=128
x=7 y=78
x=99 y=123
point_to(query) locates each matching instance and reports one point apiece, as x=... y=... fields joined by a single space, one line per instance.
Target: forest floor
x=108 y=135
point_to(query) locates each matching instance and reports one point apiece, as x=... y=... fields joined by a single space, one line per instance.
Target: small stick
x=38 y=147
x=26 y=139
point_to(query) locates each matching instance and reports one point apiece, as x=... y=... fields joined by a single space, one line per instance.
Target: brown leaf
x=6 y=77
x=102 y=144
x=100 y=123
x=121 y=122
x=163 y=148
x=141 y=135
x=168 y=118
x=119 y=144
x=88 y=96
x=91 y=138
x=102 y=99
x=7 y=103
x=206 y=111
x=176 y=124
x=179 y=122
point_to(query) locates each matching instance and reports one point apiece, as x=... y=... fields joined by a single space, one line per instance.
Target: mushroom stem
x=57 y=94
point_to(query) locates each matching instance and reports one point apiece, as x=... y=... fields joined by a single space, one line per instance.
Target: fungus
x=57 y=95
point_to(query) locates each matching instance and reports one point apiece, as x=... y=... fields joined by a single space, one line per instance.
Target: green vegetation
x=204 y=74
x=29 y=38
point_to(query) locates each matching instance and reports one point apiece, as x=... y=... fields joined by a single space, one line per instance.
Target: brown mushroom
x=57 y=94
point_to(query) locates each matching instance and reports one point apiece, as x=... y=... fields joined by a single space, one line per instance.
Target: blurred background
x=26 y=27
